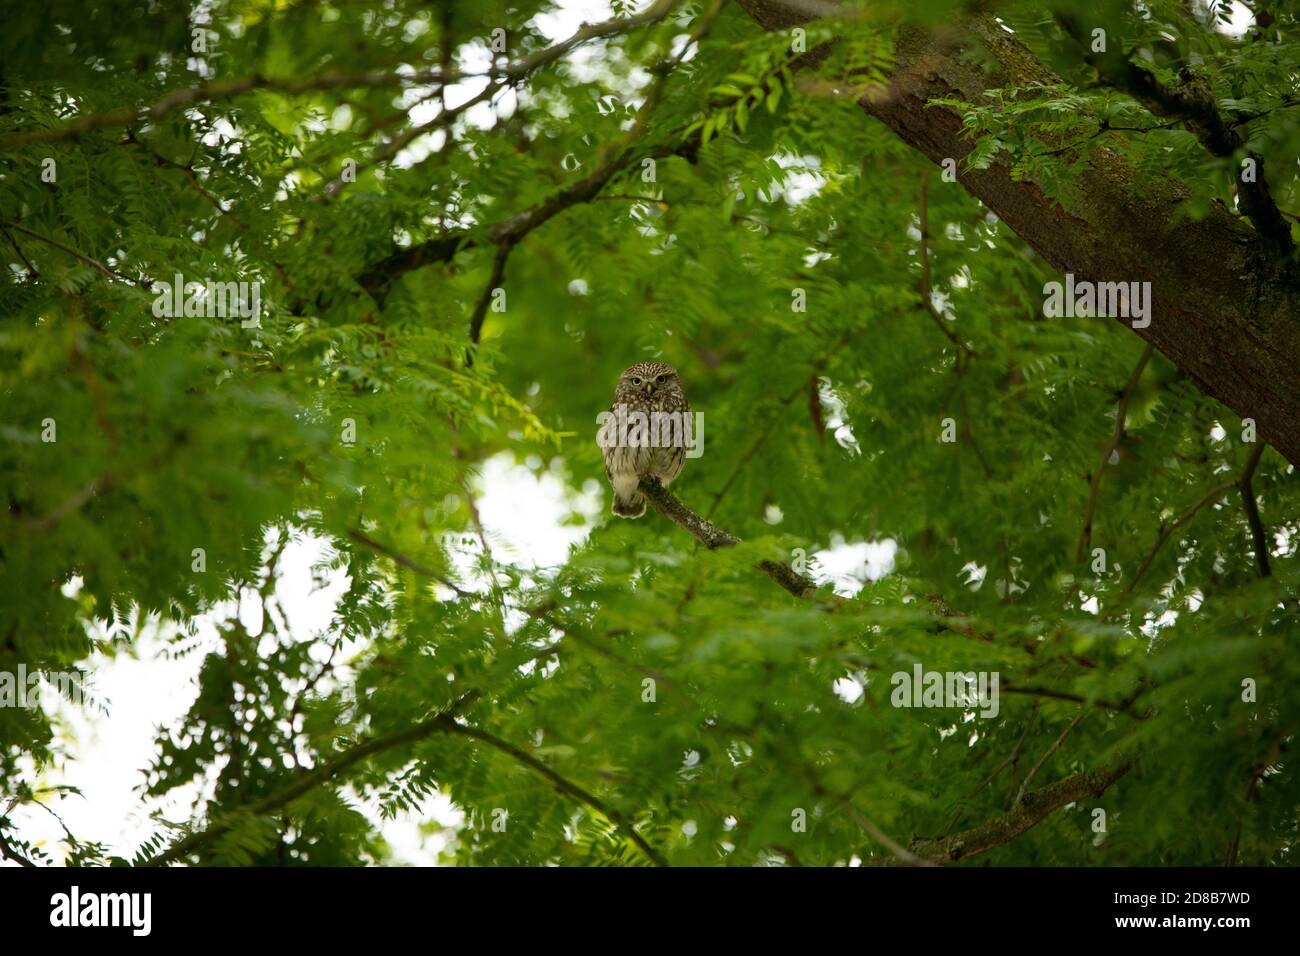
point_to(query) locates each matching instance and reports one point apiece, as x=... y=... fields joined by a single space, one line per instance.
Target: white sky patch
x=803 y=179
x=849 y=566
x=943 y=303
x=560 y=22
x=1242 y=18
x=523 y=511
x=848 y=689
x=837 y=422
x=975 y=574
x=1154 y=624
x=151 y=687
x=109 y=752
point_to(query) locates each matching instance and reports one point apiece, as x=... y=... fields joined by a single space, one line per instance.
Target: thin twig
x=210 y=92
x=95 y=263
x=485 y=300
x=1257 y=533
x=923 y=253
x=1117 y=435
x=901 y=853
x=31 y=269
x=1056 y=745
x=1213 y=495
x=362 y=538
x=561 y=784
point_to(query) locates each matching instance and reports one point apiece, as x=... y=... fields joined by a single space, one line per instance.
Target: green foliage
x=822 y=427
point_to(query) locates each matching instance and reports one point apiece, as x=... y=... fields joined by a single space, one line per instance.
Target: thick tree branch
x=1032 y=809
x=1225 y=309
x=1192 y=103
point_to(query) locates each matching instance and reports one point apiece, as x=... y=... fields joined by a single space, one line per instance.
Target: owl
x=632 y=453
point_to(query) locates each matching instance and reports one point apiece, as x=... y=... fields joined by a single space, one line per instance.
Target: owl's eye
x=635 y=380
x=661 y=379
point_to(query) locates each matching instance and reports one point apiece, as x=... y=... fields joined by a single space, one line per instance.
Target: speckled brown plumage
x=647 y=387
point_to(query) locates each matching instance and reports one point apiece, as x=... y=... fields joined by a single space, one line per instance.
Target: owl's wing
x=608 y=453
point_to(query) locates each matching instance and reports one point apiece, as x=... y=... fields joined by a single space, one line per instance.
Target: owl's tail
x=633 y=506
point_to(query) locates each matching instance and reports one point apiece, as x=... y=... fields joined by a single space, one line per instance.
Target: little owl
x=647 y=387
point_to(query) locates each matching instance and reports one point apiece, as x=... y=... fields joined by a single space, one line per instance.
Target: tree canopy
x=457 y=223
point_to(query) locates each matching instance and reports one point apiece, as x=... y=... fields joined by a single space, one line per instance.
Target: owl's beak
x=649 y=388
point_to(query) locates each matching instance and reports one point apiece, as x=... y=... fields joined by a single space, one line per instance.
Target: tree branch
x=511 y=75
x=208 y=92
x=1047 y=755
x=711 y=536
x=93 y=263
x=1257 y=533
x=561 y=784
x=31 y=269
x=614 y=158
x=1192 y=103
x=444 y=722
x=903 y=855
x=485 y=300
x=1033 y=809
x=1094 y=484
x=362 y=538
x=1234 y=329
x=1213 y=495
x=309 y=781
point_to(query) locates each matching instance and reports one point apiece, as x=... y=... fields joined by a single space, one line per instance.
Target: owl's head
x=648 y=378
